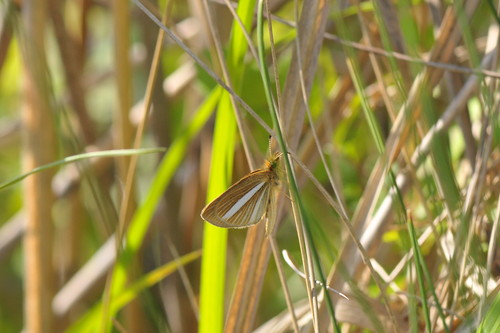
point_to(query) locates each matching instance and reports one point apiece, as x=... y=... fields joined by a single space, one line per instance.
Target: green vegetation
x=120 y=121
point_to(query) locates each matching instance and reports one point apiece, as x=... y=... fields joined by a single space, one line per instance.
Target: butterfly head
x=273 y=163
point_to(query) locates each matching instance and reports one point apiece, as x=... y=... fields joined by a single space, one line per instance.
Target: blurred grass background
x=396 y=152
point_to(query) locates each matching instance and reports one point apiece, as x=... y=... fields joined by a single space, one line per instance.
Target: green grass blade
x=213 y=267
x=142 y=217
x=90 y=320
x=80 y=157
x=418 y=265
x=491 y=321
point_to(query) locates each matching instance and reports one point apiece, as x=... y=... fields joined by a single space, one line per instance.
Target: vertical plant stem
x=418 y=267
x=123 y=132
x=123 y=136
x=39 y=147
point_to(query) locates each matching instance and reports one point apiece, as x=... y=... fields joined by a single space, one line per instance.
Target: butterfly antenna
x=269 y=151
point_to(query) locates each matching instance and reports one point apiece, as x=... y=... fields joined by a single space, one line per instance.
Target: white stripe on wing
x=242 y=201
x=258 y=209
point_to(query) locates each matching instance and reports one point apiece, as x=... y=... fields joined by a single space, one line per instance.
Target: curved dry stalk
x=292 y=265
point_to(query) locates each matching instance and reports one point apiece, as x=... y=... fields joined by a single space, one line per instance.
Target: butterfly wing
x=243 y=204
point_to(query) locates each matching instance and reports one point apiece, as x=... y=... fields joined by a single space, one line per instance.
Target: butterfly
x=248 y=201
